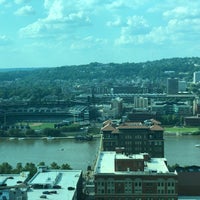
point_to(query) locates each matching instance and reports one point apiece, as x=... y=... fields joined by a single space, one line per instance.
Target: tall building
x=134 y=137
x=196 y=77
x=140 y=177
x=117 y=106
x=140 y=102
x=182 y=85
x=172 y=86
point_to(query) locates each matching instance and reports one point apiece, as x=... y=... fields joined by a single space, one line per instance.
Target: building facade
x=138 y=177
x=134 y=137
x=188 y=180
x=172 y=86
x=140 y=102
x=196 y=77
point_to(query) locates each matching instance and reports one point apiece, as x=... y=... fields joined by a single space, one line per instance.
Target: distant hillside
x=152 y=70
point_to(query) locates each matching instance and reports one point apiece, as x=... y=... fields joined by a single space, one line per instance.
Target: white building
x=140 y=102
x=12 y=186
x=56 y=184
x=196 y=77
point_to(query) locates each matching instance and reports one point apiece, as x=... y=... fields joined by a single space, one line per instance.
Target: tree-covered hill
x=36 y=84
x=152 y=70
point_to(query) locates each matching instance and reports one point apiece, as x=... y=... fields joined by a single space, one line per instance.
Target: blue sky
x=50 y=33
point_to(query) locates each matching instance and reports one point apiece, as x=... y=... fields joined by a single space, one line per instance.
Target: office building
x=182 y=85
x=140 y=102
x=139 y=176
x=172 y=86
x=134 y=137
x=117 y=106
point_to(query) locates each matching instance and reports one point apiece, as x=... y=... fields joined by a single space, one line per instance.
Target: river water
x=182 y=150
x=178 y=149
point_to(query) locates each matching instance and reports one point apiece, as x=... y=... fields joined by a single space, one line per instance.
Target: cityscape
x=99 y=100
x=121 y=134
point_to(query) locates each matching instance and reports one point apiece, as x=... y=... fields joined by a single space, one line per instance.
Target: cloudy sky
x=49 y=33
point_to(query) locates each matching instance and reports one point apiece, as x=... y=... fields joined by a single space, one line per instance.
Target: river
x=178 y=149
x=182 y=150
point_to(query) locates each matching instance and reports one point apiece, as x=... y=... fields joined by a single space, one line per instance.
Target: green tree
x=41 y=164
x=31 y=168
x=5 y=168
x=30 y=132
x=51 y=132
x=54 y=165
x=18 y=169
x=65 y=166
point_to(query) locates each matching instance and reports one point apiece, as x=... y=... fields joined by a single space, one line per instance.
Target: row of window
x=137 y=198
x=111 y=186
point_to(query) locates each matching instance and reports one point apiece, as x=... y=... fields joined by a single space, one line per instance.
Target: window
x=138 y=185
x=161 y=186
x=128 y=186
x=110 y=186
x=100 y=186
x=171 y=186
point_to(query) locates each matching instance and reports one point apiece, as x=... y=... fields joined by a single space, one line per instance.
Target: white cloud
x=4 y=40
x=134 y=31
x=61 y=17
x=25 y=10
x=182 y=12
x=55 y=25
x=119 y=4
x=116 y=22
x=33 y=30
x=87 y=42
x=55 y=10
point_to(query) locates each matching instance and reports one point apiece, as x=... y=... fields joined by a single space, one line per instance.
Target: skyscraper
x=172 y=86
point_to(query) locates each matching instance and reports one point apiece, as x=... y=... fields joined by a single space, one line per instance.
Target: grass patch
x=39 y=126
x=176 y=129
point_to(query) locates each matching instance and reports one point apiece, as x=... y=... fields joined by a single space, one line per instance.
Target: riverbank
x=45 y=138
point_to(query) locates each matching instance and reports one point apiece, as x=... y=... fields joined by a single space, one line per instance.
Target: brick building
x=134 y=137
x=140 y=177
x=188 y=180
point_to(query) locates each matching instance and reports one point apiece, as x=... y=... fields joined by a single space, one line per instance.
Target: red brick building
x=139 y=177
x=134 y=137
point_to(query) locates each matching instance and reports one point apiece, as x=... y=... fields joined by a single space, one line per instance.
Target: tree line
x=6 y=168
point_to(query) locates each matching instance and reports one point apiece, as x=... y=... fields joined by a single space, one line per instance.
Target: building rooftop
x=55 y=184
x=152 y=125
x=106 y=163
x=12 y=180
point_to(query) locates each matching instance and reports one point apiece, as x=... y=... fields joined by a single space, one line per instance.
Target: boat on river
x=197 y=145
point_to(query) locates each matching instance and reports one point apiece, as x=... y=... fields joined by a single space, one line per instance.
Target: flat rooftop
x=45 y=181
x=13 y=179
x=106 y=163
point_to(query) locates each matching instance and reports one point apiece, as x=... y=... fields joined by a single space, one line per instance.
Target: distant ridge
x=17 y=69
x=151 y=70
